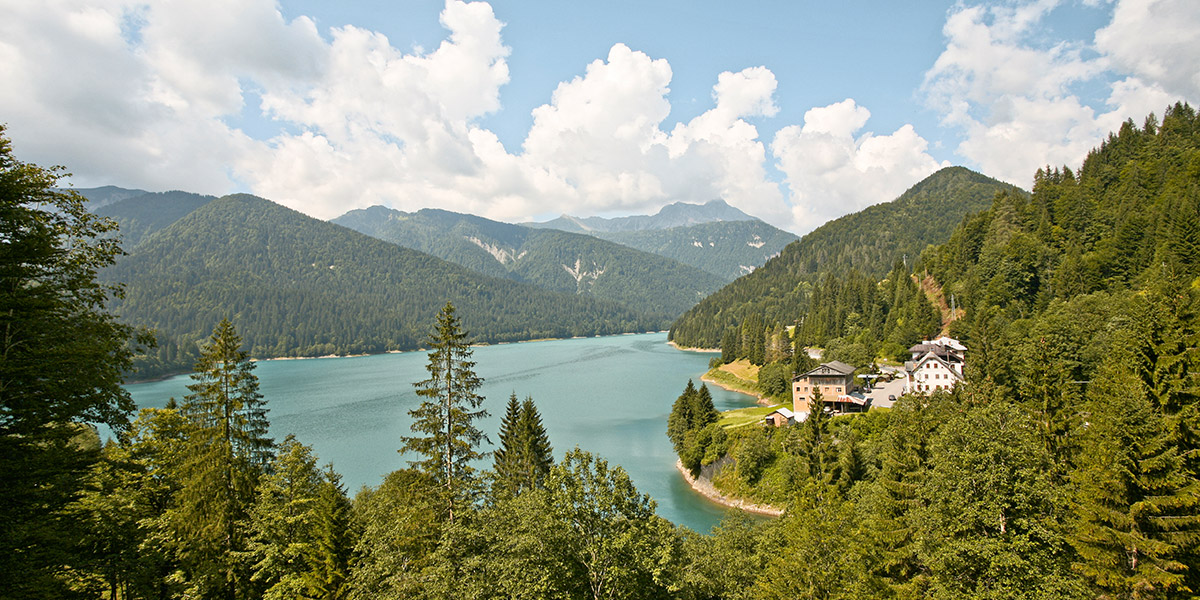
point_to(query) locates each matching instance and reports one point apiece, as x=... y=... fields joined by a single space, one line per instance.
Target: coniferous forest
x=1067 y=467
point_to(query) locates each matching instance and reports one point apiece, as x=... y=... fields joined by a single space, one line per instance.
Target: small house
x=780 y=417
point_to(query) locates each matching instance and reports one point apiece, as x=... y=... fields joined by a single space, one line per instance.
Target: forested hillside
x=304 y=287
x=570 y=263
x=142 y=215
x=869 y=241
x=728 y=249
x=1066 y=466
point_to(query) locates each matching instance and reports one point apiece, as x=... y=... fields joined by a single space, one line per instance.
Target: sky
x=795 y=111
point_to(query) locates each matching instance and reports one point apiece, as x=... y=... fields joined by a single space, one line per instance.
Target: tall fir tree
x=450 y=439
x=535 y=446
x=524 y=455
x=226 y=454
x=1129 y=485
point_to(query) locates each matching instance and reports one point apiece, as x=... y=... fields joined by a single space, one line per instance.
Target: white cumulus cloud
x=831 y=172
x=1012 y=94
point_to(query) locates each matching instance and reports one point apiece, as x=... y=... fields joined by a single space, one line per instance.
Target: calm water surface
x=608 y=395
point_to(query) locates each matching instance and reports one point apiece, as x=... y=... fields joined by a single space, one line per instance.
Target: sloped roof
x=783 y=411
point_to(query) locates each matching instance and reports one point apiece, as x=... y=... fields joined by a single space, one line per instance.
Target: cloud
x=832 y=173
x=1012 y=95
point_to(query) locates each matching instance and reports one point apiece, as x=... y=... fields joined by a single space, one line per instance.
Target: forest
x=1067 y=466
x=869 y=242
x=298 y=286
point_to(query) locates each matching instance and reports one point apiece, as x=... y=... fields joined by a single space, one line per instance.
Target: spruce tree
x=450 y=440
x=506 y=458
x=536 y=449
x=679 y=422
x=1136 y=520
x=227 y=452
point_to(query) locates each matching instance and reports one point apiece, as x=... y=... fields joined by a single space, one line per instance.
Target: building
x=780 y=417
x=935 y=365
x=833 y=379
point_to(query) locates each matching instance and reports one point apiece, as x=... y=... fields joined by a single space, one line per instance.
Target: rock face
x=584 y=278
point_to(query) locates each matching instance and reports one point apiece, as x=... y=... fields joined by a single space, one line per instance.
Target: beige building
x=833 y=379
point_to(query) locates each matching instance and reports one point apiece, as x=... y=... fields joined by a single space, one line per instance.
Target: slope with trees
x=142 y=215
x=728 y=249
x=569 y=263
x=869 y=241
x=304 y=287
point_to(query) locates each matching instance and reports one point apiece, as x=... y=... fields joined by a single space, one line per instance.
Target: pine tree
x=227 y=452
x=1136 y=522
x=506 y=457
x=679 y=422
x=333 y=548
x=524 y=456
x=539 y=456
x=450 y=439
x=302 y=534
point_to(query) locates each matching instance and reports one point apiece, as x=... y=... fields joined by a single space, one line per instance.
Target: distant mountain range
x=297 y=286
x=679 y=214
x=869 y=241
x=555 y=260
x=142 y=214
x=715 y=237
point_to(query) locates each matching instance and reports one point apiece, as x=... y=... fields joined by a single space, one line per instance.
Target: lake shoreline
x=759 y=398
x=701 y=485
x=690 y=349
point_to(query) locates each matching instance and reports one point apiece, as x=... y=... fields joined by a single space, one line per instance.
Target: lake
x=608 y=395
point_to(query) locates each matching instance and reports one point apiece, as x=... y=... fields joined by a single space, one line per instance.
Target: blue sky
x=797 y=112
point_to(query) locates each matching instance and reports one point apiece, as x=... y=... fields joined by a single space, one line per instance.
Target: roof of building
x=783 y=411
x=912 y=366
x=830 y=368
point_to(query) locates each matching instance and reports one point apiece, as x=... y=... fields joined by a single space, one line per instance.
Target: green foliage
x=1138 y=516
x=303 y=287
x=61 y=366
x=869 y=242
x=227 y=451
x=775 y=379
x=753 y=453
x=524 y=457
x=401 y=523
x=693 y=429
x=450 y=441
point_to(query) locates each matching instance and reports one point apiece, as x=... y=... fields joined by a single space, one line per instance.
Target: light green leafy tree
x=62 y=357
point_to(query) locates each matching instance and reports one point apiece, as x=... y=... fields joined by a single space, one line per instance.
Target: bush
x=753 y=454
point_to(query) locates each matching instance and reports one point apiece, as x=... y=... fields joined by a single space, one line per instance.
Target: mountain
x=679 y=214
x=105 y=195
x=869 y=241
x=297 y=286
x=147 y=213
x=555 y=260
x=728 y=249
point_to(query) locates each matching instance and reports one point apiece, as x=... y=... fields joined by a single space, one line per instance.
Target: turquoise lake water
x=609 y=396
